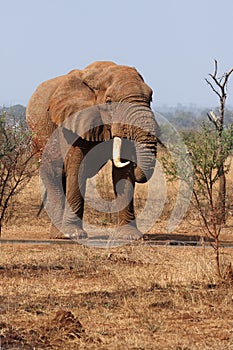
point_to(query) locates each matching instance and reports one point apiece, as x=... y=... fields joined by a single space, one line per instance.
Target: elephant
x=83 y=119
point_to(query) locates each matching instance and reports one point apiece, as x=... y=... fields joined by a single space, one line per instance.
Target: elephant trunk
x=140 y=133
x=145 y=162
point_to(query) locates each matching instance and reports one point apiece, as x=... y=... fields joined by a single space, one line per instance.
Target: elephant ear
x=73 y=105
x=72 y=95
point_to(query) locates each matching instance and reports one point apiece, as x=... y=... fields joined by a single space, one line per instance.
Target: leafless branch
x=227 y=75
x=216 y=68
x=220 y=82
x=212 y=87
x=213 y=118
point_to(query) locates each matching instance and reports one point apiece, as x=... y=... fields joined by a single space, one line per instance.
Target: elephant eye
x=108 y=100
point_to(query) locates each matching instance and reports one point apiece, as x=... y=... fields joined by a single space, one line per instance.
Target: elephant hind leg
x=75 y=186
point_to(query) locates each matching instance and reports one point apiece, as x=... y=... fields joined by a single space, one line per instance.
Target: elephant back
x=37 y=113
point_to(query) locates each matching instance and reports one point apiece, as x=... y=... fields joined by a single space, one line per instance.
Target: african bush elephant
x=104 y=107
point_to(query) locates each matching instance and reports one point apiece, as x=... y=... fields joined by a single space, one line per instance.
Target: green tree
x=210 y=159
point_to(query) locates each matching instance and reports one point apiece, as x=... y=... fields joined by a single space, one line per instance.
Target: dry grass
x=134 y=297
x=131 y=297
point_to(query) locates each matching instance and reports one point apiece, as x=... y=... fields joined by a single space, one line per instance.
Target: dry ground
x=131 y=297
x=135 y=297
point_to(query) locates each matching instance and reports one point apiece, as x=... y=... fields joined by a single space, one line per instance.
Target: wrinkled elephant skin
x=81 y=120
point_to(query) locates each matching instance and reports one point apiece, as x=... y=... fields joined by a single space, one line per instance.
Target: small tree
x=16 y=161
x=209 y=150
x=219 y=87
x=206 y=159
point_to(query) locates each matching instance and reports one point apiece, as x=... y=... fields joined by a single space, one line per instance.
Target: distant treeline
x=14 y=113
x=181 y=117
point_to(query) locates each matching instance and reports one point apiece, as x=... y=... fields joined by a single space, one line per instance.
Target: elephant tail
x=42 y=204
x=161 y=143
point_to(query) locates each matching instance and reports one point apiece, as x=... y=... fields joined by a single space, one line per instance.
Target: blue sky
x=172 y=43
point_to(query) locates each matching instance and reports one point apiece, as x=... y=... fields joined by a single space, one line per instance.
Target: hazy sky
x=173 y=43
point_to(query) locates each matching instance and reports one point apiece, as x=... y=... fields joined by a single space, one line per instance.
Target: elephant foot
x=127 y=232
x=74 y=232
x=78 y=234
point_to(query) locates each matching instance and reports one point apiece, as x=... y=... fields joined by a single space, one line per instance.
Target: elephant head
x=122 y=118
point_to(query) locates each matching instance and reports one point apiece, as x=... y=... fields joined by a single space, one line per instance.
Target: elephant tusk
x=116 y=153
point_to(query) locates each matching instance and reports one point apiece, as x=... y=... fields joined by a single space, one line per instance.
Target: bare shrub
x=17 y=163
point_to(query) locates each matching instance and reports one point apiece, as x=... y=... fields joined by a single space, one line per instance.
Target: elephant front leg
x=75 y=192
x=124 y=184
